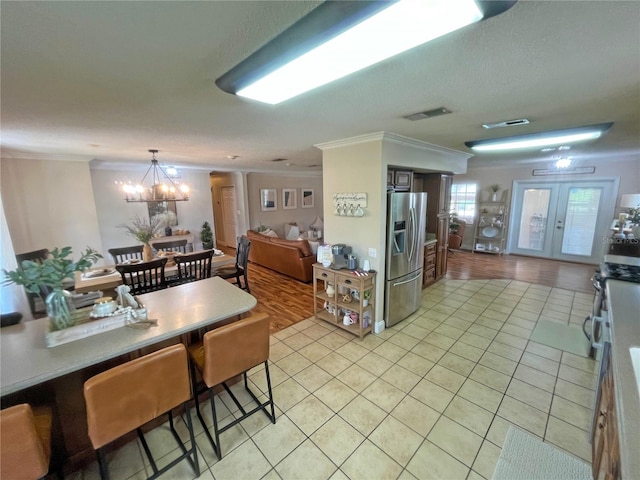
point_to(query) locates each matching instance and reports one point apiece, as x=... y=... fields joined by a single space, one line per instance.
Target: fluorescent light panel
x=537 y=140
x=400 y=27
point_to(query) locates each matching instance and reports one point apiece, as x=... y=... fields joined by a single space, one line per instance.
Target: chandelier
x=161 y=188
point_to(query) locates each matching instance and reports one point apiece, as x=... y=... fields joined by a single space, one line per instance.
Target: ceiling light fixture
x=162 y=187
x=563 y=162
x=542 y=139
x=338 y=38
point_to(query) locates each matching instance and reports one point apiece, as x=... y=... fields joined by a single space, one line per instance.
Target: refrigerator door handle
x=412 y=232
x=396 y=284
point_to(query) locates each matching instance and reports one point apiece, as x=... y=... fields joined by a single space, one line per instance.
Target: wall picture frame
x=289 y=199
x=268 y=200
x=308 y=198
x=166 y=211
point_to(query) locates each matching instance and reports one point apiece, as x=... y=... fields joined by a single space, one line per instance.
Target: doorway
x=229 y=216
x=564 y=220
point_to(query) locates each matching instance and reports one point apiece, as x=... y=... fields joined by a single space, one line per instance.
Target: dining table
x=107 y=278
x=30 y=371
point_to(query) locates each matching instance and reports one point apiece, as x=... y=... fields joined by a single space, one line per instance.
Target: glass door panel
x=562 y=220
x=533 y=218
x=580 y=221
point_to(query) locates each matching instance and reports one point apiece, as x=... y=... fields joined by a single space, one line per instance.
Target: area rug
x=524 y=456
x=569 y=338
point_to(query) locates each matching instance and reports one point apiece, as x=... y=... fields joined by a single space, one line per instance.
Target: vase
x=494 y=197
x=147 y=253
x=60 y=309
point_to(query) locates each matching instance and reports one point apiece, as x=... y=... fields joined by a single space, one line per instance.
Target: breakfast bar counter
x=26 y=361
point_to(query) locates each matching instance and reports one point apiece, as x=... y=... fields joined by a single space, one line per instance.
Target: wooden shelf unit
x=332 y=308
x=492 y=215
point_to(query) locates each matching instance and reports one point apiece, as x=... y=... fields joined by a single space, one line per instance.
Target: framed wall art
x=289 y=198
x=268 y=199
x=308 y=198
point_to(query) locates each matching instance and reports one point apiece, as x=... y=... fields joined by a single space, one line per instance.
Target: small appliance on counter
x=341 y=254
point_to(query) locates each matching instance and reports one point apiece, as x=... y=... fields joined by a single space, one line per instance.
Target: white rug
x=525 y=457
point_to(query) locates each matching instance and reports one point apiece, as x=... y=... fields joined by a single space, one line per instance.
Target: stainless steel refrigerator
x=406 y=226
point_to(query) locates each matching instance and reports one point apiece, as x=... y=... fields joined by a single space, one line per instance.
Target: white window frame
x=464 y=193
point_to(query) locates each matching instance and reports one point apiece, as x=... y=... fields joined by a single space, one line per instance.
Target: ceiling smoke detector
x=436 y=112
x=506 y=123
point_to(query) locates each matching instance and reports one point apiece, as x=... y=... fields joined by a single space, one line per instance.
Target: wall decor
x=289 y=199
x=268 y=200
x=167 y=211
x=308 y=200
x=349 y=204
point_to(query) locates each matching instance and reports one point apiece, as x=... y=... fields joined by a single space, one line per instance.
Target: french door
x=564 y=220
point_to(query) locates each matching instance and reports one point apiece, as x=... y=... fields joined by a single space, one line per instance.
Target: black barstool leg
x=102 y=464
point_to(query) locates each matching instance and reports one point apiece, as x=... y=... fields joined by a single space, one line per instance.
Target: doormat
x=569 y=338
x=526 y=456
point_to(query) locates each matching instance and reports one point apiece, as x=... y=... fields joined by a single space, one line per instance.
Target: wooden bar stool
x=224 y=353
x=128 y=396
x=25 y=444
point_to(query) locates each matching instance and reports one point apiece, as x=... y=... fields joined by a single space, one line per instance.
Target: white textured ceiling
x=106 y=81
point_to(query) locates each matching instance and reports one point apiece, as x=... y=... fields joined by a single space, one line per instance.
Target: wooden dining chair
x=123 y=254
x=193 y=266
x=144 y=277
x=174 y=245
x=25 y=443
x=223 y=354
x=35 y=256
x=239 y=270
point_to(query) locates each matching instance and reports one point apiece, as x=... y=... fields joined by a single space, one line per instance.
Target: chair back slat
x=173 y=245
x=122 y=254
x=194 y=266
x=144 y=277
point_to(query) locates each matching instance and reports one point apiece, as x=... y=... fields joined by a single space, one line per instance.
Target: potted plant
x=144 y=232
x=365 y=297
x=206 y=235
x=453 y=223
x=494 y=188
x=47 y=277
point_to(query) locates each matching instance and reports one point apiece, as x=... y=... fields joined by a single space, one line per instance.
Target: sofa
x=293 y=258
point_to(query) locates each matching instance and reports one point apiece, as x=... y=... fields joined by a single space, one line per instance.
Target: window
x=463 y=201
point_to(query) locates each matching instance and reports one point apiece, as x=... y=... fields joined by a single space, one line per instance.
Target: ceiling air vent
x=507 y=123
x=427 y=114
x=278 y=159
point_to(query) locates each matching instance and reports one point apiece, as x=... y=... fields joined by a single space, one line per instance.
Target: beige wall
x=276 y=219
x=49 y=204
x=359 y=165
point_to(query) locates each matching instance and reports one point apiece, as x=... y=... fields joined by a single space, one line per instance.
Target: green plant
x=367 y=294
x=262 y=228
x=206 y=235
x=142 y=230
x=494 y=188
x=52 y=271
x=454 y=224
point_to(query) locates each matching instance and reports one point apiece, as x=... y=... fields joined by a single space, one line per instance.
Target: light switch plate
x=372 y=252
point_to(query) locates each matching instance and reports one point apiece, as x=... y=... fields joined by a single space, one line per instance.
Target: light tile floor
x=432 y=397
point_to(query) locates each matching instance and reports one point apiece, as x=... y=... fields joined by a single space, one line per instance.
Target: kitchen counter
x=624 y=318
x=26 y=361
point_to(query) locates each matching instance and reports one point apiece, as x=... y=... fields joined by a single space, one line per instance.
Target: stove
x=619 y=267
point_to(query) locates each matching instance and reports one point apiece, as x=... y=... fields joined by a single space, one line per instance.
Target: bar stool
x=224 y=353
x=25 y=445
x=130 y=395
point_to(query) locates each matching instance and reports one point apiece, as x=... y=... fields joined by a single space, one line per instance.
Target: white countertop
x=25 y=360
x=624 y=317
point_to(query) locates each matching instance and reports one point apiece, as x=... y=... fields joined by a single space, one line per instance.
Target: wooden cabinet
x=429 y=264
x=605 y=443
x=340 y=293
x=442 y=235
x=438 y=188
x=399 y=180
x=491 y=230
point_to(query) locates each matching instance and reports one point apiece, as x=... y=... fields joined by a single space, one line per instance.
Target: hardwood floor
x=289 y=301
x=464 y=265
